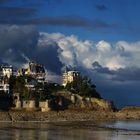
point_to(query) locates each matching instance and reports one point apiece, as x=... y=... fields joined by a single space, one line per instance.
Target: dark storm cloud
x=21 y=16
x=24 y=8
x=15 y=12
x=71 y=21
x=26 y=11
x=16 y=39
x=19 y=43
x=101 y=7
x=104 y=70
x=122 y=74
x=48 y=55
x=17 y=36
x=127 y=74
x=116 y=85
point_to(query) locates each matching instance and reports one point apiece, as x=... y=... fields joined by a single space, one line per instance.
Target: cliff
x=68 y=100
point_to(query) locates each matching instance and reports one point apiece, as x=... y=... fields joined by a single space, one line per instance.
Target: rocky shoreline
x=70 y=115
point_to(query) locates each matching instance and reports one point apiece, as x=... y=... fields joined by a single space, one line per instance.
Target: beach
x=70 y=125
x=83 y=130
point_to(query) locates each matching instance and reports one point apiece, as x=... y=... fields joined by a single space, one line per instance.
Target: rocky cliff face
x=101 y=104
x=67 y=100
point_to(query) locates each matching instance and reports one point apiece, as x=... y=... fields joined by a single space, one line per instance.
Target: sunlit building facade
x=69 y=76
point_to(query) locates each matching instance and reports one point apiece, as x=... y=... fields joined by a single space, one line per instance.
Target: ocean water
x=126 y=125
x=78 y=131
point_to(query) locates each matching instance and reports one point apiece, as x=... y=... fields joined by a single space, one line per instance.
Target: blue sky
x=100 y=37
x=111 y=20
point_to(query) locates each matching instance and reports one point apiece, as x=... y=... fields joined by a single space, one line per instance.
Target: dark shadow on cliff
x=5 y=101
x=59 y=103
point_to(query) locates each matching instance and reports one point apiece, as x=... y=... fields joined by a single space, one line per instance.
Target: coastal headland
x=27 y=96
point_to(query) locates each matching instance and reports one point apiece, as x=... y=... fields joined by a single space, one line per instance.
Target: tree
x=40 y=91
x=46 y=90
x=82 y=86
x=18 y=86
x=12 y=82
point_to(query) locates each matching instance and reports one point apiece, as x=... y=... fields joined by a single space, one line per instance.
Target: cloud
x=19 y=44
x=115 y=62
x=46 y=52
x=26 y=13
x=16 y=40
x=71 y=21
x=114 y=68
x=16 y=11
x=15 y=15
x=53 y=77
x=101 y=7
x=20 y=16
x=127 y=74
x=121 y=74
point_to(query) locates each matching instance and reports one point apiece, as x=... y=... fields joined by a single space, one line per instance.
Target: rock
x=44 y=106
x=130 y=109
x=4 y=116
x=75 y=101
x=131 y=112
x=101 y=104
x=18 y=104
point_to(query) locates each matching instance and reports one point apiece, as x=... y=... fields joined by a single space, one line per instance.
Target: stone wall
x=64 y=100
x=32 y=105
x=44 y=106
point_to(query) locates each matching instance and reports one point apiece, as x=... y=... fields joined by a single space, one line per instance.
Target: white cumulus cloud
x=73 y=51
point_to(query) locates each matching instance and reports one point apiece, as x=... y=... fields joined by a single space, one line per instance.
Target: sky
x=100 y=38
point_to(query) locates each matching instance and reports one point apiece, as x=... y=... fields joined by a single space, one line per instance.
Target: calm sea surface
x=79 y=131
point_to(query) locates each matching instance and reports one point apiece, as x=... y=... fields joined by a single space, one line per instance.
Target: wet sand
x=64 y=131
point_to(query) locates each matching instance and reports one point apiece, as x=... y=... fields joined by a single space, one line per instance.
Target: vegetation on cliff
x=41 y=91
x=80 y=93
x=83 y=86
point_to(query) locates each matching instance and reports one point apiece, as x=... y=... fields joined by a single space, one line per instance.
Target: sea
x=115 y=130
